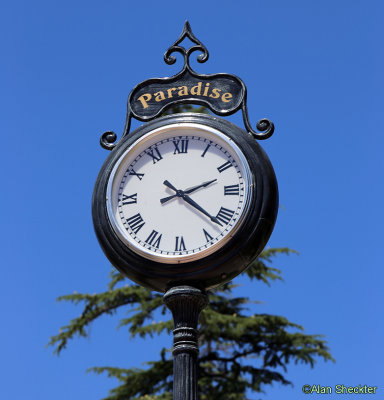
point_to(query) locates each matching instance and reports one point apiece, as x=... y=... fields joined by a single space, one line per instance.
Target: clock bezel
x=228 y=260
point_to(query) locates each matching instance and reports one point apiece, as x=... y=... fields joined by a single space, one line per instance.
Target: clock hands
x=187 y=199
x=186 y=191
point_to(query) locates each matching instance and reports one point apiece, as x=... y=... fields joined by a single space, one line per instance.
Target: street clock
x=185 y=199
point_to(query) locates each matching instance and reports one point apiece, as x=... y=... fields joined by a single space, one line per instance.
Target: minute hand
x=192 y=189
x=188 y=200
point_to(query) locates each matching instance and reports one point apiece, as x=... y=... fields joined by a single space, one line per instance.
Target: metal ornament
x=224 y=94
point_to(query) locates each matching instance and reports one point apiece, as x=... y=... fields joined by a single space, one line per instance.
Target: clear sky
x=314 y=68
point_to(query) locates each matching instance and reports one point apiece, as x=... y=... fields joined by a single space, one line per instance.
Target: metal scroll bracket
x=224 y=94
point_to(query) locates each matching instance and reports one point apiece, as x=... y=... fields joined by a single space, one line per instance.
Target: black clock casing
x=229 y=260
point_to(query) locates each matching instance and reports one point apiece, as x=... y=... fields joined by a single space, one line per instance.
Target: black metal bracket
x=224 y=94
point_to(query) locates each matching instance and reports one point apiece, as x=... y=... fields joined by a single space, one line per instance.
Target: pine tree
x=240 y=352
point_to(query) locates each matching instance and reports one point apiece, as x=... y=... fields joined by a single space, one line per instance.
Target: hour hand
x=169 y=184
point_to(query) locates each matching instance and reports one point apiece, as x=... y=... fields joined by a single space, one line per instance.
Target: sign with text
x=222 y=93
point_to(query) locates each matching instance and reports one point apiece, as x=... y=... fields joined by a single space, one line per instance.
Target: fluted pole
x=186 y=303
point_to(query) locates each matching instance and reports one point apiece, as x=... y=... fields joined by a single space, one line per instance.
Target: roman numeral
x=155 y=154
x=135 y=222
x=131 y=199
x=183 y=143
x=231 y=190
x=180 y=245
x=132 y=172
x=206 y=149
x=225 y=215
x=224 y=166
x=208 y=237
x=153 y=239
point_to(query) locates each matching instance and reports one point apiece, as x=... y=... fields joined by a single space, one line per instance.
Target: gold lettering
x=159 y=96
x=206 y=89
x=226 y=97
x=170 y=92
x=196 y=90
x=216 y=93
x=144 y=99
x=183 y=91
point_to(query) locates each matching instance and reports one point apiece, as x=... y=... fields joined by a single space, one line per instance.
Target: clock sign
x=186 y=198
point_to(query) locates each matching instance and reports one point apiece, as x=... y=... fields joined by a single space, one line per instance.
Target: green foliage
x=240 y=352
x=141 y=383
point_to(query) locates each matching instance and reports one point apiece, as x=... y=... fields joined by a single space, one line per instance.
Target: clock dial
x=179 y=193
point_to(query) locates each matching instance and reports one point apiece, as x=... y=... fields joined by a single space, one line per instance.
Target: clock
x=185 y=199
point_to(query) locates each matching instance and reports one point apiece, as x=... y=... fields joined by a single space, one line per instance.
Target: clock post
x=187 y=201
x=186 y=303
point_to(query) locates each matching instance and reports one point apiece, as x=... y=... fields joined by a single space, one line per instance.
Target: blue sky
x=314 y=68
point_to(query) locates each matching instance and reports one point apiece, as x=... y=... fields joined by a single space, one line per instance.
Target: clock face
x=179 y=193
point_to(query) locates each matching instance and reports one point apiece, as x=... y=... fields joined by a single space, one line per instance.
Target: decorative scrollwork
x=108 y=139
x=265 y=126
x=176 y=48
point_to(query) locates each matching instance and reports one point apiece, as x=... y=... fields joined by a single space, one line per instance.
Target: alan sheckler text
x=339 y=389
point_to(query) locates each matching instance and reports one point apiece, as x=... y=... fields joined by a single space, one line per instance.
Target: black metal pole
x=186 y=303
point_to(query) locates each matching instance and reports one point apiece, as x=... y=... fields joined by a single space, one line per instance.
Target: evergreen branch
x=143 y=313
x=261 y=335
x=95 y=306
x=116 y=277
x=260 y=270
x=226 y=304
x=138 y=383
x=150 y=329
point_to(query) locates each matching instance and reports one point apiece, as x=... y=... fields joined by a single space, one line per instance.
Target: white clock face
x=179 y=193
